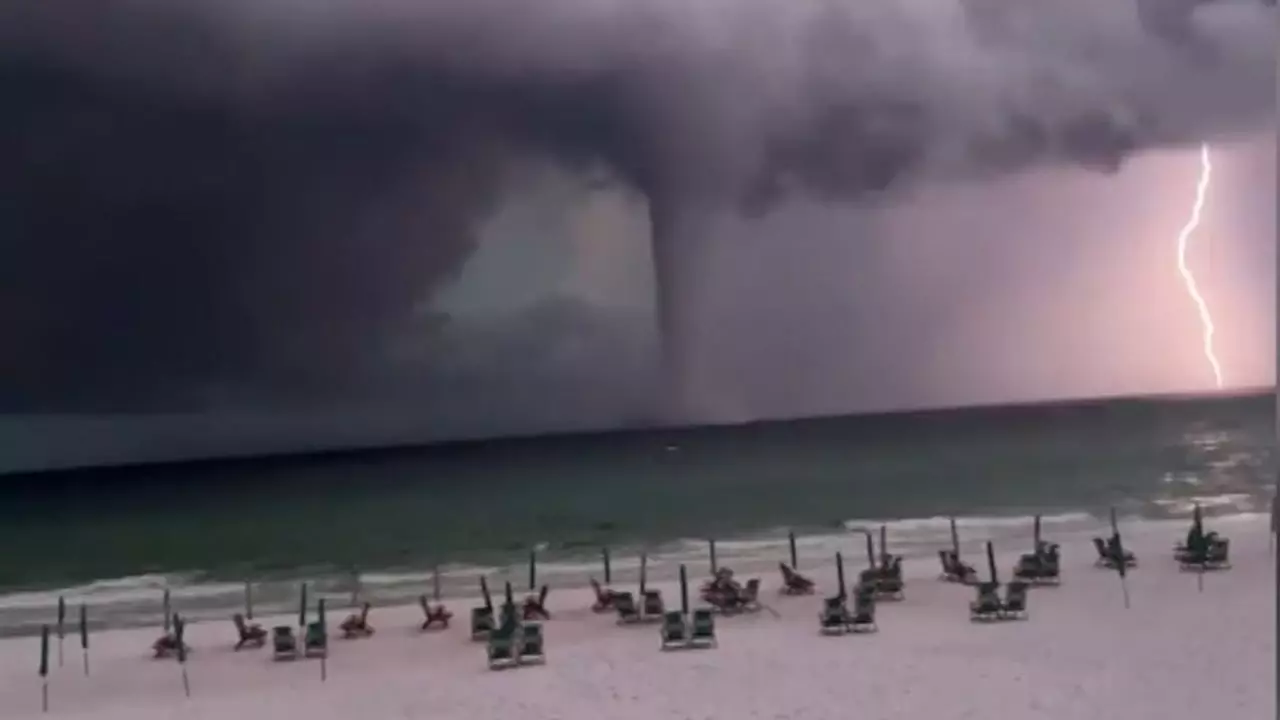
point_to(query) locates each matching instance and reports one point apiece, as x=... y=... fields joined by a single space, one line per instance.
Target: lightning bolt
x=1189 y=278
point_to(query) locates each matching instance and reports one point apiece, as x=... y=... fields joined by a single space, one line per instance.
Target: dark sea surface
x=114 y=537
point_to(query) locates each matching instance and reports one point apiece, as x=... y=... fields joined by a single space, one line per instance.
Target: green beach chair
x=509 y=614
x=863 y=619
x=674 y=630
x=834 y=617
x=1212 y=554
x=988 y=605
x=1041 y=567
x=702 y=629
x=501 y=647
x=1014 y=606
x=316 y=642
x=531 y=647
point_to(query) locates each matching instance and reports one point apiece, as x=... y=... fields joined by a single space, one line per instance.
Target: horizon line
x=399 y=447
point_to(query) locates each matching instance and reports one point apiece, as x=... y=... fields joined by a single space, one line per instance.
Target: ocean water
x=387 y=523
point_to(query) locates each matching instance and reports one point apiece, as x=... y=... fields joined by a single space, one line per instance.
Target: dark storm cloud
x=263 y=192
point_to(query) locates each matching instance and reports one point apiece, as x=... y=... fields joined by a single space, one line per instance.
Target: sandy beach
x=1178 y=652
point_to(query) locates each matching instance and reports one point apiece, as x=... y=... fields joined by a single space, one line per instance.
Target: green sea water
x=489 y=502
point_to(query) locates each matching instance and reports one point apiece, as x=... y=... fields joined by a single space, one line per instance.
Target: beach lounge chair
x=284 y=644
x=316 y=642
x=716 y=595
x=436 y=615
x=1107 y=555
x=530 y=650
x=724 y=603
x=535 y=606
x=793 y=583
x=481 y=622
x=1104 y=556
x=889 y=583
x=1213 y=554
x=988 y=605
x=1219 y=553
x=501 y=646
x=721 y=590
x=357 y=624
x=652 y=607
x=863 y=619
x=702 y=629
x=166 y=646
x=604 y=597
x=674 y=630
x=1184 y=553
x=956 y=571
x=834 y=618
x=748 y=600
x=251 y=635
x=1194 y=547
x=625 y=604
x=1040 y=567
x=1014 y=606
x=508 y=614
x=946 y=560
x=868 y=577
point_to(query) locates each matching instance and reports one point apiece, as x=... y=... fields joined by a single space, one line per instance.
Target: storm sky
x=332 y=223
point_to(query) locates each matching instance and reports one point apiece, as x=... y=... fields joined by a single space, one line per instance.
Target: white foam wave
x=942 y=523
x=1241 y=502
x=137 y=600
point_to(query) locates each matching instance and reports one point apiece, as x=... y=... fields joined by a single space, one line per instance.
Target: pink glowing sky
x=1058 y=283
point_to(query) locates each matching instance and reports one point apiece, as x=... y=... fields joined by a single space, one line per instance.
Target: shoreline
x=137 y=601
x=1080 y=655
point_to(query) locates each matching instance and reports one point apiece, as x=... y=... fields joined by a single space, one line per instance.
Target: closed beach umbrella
x=44 y=651
x=1119 y=545
x=324 y=634
x=84 y=635
x=44 y=668
x=644 y=570
x=180 y=635
x=302 y=606
x=840 y=573
x=62 y=625
x=684 y=590
x=991 y=562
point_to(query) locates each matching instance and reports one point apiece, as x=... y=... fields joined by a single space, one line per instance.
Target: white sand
x=1178 y=653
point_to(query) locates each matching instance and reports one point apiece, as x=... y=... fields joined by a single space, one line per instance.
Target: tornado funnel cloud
x=669 y=298
x=264 y=194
